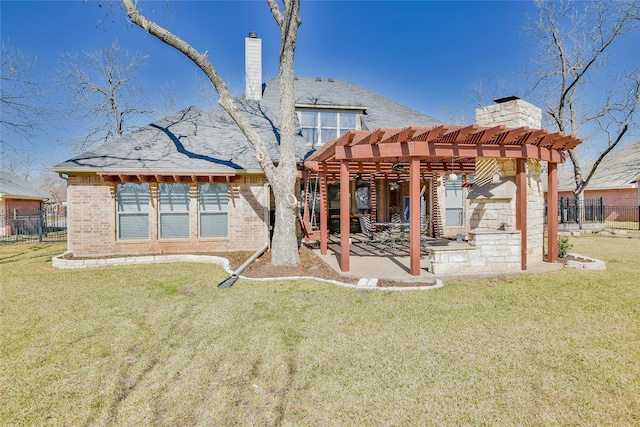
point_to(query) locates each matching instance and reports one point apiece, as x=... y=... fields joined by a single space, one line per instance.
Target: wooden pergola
x=442 y=148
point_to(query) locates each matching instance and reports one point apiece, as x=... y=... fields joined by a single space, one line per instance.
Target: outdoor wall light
x=453 y=177
x=496 y=177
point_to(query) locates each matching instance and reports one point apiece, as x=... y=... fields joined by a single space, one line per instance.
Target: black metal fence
x=595 y=211
x=622 y=217
x=48 y=224
x=569 y=210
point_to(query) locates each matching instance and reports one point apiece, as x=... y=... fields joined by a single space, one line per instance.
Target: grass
x=161 y=345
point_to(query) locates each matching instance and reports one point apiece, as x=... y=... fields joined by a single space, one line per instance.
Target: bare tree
x=19 y=94
x=480 y=92
x=580 y=93
x=203 y=94
x=283 y=176
x=25 y=166
x=103 y=84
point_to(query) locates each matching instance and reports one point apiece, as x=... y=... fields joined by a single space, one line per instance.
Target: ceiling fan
x=397 y=167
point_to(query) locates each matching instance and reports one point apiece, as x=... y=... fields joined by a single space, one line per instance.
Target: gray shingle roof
x=13 y=187
x=195 y=141
x=620 y=169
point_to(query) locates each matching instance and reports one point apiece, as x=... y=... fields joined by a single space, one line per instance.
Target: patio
x=372 y=260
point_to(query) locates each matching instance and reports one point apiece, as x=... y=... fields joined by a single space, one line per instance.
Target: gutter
x=228 y=282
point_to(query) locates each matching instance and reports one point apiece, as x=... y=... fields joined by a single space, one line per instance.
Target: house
x=57 y=194
x=17 y=198
x=191 y=181
x=615 y=180
x=612 y=197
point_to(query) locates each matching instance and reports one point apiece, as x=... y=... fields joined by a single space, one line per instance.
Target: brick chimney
x=510 y=111
x=253 y=67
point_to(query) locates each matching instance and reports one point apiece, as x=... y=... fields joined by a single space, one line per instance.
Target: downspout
x=227 y=283
x=65 y=176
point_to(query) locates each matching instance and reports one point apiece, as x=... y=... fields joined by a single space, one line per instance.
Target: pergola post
x=345 y=217
x=306 y=214
x=552 y=212
x=324 y=220
x=521 y=208
x=414 y=216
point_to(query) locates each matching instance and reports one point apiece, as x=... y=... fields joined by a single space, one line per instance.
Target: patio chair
x=399 y=231
x=397 y=218
x=425 y=221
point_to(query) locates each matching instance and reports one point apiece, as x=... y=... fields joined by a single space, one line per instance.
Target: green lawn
x=161 y=345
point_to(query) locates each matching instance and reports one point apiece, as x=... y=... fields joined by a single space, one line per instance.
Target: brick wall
x=24 y=207
x=93 y=220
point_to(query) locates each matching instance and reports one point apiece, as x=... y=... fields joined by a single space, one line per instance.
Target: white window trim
x=332 y=109
x=180 y=212
x=119 y=215
x=227 y=213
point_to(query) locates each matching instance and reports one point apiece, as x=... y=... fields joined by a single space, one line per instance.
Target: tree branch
x=227 y=101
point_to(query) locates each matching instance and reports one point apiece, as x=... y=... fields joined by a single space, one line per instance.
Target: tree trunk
x=285 y=240
x=579 y=195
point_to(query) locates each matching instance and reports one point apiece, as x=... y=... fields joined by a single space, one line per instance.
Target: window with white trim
x=454 y=203
x=174 y=210
x=133 y=210
x=318 y=127
x=213 y=199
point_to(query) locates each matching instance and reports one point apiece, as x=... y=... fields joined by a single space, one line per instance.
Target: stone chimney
x=512 y=112
x=253 y=67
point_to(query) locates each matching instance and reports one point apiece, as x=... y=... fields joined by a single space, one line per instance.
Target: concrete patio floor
x=383 y=261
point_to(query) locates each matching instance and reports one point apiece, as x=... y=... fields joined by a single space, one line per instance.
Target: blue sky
x=424 y=54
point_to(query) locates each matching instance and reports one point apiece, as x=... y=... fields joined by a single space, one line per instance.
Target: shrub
x=564 y=246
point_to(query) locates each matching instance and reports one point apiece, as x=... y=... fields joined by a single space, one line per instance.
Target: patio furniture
x=402 y=225
x=425 y=220
x=376 y=234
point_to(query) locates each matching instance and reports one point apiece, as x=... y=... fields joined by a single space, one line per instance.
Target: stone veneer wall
x=516 y=113
x=491 y=251
x=489 y=214
x=92 y=220
x=535 y=213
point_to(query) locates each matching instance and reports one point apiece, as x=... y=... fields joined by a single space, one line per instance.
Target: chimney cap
x=253 y=35
x=505 y=99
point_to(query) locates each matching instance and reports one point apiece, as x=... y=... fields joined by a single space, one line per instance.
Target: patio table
x=393 y=225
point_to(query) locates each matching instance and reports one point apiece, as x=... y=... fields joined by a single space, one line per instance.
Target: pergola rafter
x=438 y=148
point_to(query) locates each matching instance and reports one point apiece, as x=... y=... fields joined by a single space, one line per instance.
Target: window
x=133 y=210
x=174 y=210
x=214 y=209
x=318 y=127
x=454 y=203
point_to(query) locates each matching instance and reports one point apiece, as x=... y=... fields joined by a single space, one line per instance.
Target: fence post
x=15 y=230
x=601 y=209
x=40 y=225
